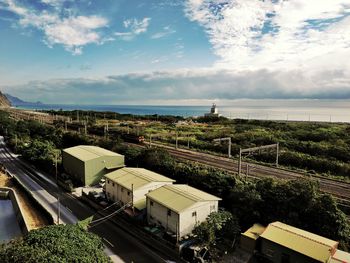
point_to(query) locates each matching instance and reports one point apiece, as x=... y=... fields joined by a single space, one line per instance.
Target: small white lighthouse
x=214 y=112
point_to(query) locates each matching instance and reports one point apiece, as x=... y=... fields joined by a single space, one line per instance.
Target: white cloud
x=73 y=32
x=189 y=84
x=135 y=27
x=165 y=32
x=250 y=34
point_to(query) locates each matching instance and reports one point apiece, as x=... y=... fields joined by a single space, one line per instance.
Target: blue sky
x=174 y=51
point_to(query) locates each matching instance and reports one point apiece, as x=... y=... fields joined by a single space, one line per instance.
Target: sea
x=287 y=110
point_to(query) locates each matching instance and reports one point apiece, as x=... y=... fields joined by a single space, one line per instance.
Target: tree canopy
x=56 y=244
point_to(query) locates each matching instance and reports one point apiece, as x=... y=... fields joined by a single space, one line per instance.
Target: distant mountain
x=4 y=101
x=18 y=102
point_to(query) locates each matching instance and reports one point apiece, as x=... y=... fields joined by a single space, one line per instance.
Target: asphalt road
x=125 y=247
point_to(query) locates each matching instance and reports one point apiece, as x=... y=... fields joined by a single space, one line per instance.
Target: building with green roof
x=179 y=208
x=88 y=164
x=279 y=242
x=130 y=185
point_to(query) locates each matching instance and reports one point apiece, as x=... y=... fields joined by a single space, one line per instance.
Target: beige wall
x=158 y=214
x=184 y=222
x=117 y=192
x=195 y=215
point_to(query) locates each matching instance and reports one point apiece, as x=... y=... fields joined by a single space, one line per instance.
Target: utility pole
x=56 y=169
x=58 y=210
x=132 y=197
x=277 y=153
x=229 y=144
x=85 y=128
x=239 y=162
x=176 y=139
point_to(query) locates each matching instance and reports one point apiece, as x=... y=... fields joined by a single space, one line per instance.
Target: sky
x=175 y=52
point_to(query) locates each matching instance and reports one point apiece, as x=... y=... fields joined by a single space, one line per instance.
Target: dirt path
x=33 y=216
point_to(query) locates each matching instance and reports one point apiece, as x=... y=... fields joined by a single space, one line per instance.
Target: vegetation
x=320 y=147
x=296 y=202
x=56 y=244
x=219 y=227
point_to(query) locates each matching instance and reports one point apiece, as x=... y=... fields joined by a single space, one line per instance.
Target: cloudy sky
x=174 y=51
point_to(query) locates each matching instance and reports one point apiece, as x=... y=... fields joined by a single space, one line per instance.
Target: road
x=123 y=246
x=339 y=189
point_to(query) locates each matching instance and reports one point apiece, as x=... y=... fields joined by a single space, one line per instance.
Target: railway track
x=339 y=189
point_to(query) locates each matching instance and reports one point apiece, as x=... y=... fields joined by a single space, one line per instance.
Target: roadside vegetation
x=297 y=202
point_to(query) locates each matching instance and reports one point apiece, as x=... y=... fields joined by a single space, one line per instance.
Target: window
x=169 y=212
x=113 y=184
x=151 y=203
x=107 y=181
x=128 y=193
x=212 y=207
x=194 y=213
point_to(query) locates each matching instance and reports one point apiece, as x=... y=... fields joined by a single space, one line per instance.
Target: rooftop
x=306 y=243
x=89 y=152
x=255 y=231
x=340 y=257
x=135 y=177
x=179 y=197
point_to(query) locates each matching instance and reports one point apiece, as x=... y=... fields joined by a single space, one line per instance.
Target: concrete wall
x=195 y=215
x=275 y=252
x=158 y=214
x=182 y=223
x=18 y=211
x=116 y=192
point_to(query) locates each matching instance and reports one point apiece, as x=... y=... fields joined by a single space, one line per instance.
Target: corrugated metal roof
x=340 y=257
x=89 y=152
x=137 y=177
x=179 y=197
x=140 y=204
x=301 y=241
x=255 y=231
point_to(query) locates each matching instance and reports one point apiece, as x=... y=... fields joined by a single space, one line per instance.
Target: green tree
x=56 y=244
x=221 y=224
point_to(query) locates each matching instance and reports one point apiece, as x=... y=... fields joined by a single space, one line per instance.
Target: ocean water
x=293 y=110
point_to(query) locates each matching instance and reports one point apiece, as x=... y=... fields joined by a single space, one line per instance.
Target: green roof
x=89 y=152
x=301 y=241
x=254 y=232
x=135 y=177
x=340 y=257
x=179 y=197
